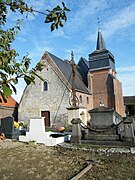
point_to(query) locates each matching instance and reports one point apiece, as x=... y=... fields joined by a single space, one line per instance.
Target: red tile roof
x=10 y=102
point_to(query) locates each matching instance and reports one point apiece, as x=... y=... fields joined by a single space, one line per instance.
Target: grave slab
x=37 y=133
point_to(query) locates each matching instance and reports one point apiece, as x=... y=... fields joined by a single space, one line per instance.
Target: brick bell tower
x=102 y=80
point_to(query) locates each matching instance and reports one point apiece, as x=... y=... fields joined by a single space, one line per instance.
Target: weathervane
x=98 y=23
x=73 y=99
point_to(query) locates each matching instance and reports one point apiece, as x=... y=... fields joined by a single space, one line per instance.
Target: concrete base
x=37 y=133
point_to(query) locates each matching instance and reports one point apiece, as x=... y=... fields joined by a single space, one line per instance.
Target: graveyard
x=39 y=154
x=35 y=161
x=99 y=153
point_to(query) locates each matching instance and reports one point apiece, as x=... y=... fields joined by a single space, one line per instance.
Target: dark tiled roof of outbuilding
x=129 y=99
x=66 y=69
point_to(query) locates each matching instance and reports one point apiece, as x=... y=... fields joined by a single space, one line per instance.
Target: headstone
x=7 y=127
x=129 y=130
x=37 y=133
x=76 y=131
x=103 y=117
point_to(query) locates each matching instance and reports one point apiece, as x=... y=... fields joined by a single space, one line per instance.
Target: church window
x=45 y=87
x=80 y=98
x=87 y=100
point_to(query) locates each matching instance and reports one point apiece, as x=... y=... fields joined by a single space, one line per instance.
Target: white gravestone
x=37 y=133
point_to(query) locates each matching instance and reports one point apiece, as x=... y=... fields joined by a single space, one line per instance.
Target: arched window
x=80 y=99
x=45 y=86
x=87 y=100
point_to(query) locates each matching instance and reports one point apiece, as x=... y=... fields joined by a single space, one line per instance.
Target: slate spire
x=100 y=41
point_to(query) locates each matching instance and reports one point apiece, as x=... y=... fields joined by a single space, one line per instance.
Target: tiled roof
x=129 y=99
x=10 y=102
x=66 y=69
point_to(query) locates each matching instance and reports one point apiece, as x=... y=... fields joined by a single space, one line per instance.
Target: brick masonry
x=106 y=88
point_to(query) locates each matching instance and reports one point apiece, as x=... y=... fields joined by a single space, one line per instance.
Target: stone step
x=108 y=131
x=110 y=143
x=102 y=137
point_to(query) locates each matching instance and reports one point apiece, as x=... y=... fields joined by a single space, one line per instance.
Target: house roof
x=10 y=102
x=66 y=69
x=129 y=99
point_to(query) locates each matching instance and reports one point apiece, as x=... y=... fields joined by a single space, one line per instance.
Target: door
x=46 y=115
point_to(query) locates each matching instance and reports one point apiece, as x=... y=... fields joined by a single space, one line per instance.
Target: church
x=95 y=83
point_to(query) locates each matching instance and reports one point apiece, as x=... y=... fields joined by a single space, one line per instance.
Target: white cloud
x=59 y=33
x=37 y=53
x=127 y=68
x=127 y=76
x=122 y=19
x=78 y=51
x=20 y=88
x=84 y=13
x=21 y=39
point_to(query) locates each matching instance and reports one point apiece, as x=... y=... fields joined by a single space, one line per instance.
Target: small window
x=45 y=87
x=80 y=98
x=87 y=100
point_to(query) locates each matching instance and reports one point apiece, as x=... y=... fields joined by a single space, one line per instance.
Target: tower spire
x=100 y=40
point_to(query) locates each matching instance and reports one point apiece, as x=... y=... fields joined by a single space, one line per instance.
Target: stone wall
x=55 y=100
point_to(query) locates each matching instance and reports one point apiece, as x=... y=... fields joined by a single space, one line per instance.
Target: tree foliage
x=11 y=69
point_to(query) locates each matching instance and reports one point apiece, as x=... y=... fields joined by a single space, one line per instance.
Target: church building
x=95 y=84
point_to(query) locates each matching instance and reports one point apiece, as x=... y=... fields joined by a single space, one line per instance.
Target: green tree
x=11 y=69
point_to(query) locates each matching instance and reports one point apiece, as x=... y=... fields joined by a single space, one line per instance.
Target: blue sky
x=80 y=33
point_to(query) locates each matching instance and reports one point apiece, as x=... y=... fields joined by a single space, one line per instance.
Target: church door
x=46 y=115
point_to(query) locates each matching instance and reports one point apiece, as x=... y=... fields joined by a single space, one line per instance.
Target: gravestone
x=7 y=127
x=129 y=130
x=103 y=117
x=37 y=133
x=76 y=131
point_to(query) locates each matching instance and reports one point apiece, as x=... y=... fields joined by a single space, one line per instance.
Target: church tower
x=105 y=86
